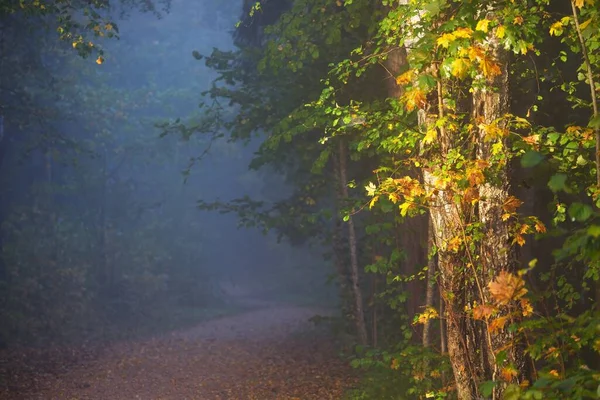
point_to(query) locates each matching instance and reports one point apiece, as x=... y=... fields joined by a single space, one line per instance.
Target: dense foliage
x=448 y=152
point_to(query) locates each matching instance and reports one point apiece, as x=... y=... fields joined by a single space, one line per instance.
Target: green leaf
x=580 y=212
x=558 y=182
x=487 y=388
x=594 y=230
x=531 y=159
x=595 y=122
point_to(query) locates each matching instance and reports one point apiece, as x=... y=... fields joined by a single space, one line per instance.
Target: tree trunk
x=359 y=314
x=471 y=347
x=496 y=252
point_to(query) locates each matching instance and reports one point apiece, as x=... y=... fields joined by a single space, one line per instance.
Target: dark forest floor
x=269 y=353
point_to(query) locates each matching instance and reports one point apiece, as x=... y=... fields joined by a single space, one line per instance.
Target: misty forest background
x=428 y=168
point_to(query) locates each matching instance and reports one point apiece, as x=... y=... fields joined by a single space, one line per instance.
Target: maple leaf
x=415 y=98
x=484 y=311
x=518 y=20
x=579 y=3
x=445 y=40
x=483 y=25
x=508 y=373
x=532 y=139
x=99 y=60
x=540 y=227
x=475 y=176
x=519 y=239
x=426 y=315
x=406 y=77
x=430 y=136
x=489 y=68
x=507 y=287
x=556 y=29
x=454 y=244
x=526 y=307
x=475 y=53
x=500 y=32
x=463 y=33
x=511 y=204
x=460 y=67
x=498 y=324
x=471 y=195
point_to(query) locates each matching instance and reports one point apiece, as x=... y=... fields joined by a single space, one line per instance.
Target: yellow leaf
x=404 y=207
x=445 y=40
x=459 y=67
x=99 y=60
x=505 y=216
x=585 y=24
x=483 y=25
x=426 y=315
x=405 y=77
x=526 y=307
x=489 y=68
x=475 y=53
x=556 y=29
x=108 y=27
x=395 y=364
x=463 y=33
x=454 y=244
x=554 y=373
x=579 y=3
x=501 y=32
x=492 y=131
x=430 y=136
x=373 y=201
x=520 y=240
x=415 y=98
x=507 y=287
x=497 y=324
x=518 y=20
x=475 y=176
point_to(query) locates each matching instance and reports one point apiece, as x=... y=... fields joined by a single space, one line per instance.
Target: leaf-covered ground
x=271 y=353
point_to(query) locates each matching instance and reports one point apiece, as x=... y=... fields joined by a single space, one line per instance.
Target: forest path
x=269 y=353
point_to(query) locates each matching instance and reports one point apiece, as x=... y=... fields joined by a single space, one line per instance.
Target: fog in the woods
x=102 y=234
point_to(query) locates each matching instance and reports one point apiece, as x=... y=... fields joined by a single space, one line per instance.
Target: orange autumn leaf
x=414 y=99
x=475 y=176
x=489 y=68
x=526 y=307
x=507 y=287
x=405 y=78
x=540 y=227
x=483 y=311
x=519 y=239
x=508 y=373
x=497 y=325
x=511 y=204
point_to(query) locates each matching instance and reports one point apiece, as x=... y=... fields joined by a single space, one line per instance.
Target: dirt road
x=271 y=353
